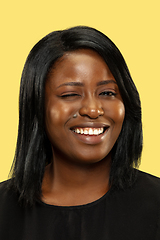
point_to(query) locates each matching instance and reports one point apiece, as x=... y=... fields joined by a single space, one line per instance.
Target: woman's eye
x=70 y=95
x=108 y=93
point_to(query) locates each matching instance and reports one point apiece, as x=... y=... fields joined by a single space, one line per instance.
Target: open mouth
x=89 y=131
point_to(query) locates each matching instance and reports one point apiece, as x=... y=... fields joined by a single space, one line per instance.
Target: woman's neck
x=68 y=184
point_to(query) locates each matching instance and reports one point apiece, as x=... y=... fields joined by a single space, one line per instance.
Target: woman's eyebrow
x=80 y=84
x=104 y=82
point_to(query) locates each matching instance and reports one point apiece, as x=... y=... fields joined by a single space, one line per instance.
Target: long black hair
x=33 y=150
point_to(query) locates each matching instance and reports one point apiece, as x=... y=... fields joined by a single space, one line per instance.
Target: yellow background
x=134 y=26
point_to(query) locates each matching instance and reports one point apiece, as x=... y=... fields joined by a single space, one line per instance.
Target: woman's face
x=81 y=83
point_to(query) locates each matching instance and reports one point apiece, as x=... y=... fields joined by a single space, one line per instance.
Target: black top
x=133 y=214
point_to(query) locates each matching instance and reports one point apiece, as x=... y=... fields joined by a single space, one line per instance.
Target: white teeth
x=96 y=131
x=89 y=131
x=85 y=132
x=78 y=131
x=81 y=131
x=101 y=130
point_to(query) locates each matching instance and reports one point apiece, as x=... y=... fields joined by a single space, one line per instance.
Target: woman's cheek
x=116 y=112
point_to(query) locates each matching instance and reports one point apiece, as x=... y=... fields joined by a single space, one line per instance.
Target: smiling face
x=81 y=83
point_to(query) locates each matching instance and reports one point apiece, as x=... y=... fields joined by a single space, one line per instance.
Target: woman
x=79 y=139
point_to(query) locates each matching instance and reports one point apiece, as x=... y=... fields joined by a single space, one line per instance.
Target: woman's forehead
x=80 y=63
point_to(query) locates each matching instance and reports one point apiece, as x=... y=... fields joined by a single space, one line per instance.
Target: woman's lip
x=91 y=139
x=90 y=125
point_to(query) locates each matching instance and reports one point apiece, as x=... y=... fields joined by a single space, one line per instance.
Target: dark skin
x=80 y=83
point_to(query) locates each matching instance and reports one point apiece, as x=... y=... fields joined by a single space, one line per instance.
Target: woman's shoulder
x=4 y=188
x=147 y=184
x=4 y=184
x=146 y=187
x=148 y=179
x=8 y=195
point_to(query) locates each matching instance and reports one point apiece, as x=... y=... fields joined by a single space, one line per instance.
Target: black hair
x=33 y=150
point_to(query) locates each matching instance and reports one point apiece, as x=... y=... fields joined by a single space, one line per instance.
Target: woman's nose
x=91 y=109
